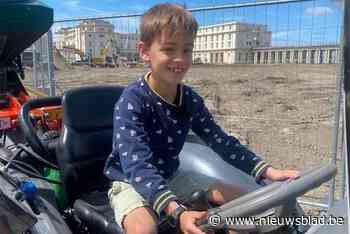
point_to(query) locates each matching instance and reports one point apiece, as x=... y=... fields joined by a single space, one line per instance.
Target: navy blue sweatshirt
x=149 y=134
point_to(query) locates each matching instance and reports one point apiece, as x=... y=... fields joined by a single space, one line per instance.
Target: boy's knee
x=141 y=221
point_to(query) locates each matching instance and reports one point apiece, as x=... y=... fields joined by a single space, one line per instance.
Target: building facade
x=229 y=43
x=243 y=43
x=321 y=54
x=93 y=39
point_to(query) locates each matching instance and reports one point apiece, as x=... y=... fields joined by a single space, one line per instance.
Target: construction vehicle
x=106 y=60
x=74 y=51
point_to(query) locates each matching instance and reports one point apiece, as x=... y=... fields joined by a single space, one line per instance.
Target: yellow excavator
x=105 y=60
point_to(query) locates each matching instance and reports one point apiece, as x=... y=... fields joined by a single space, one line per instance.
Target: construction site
x=95 y=43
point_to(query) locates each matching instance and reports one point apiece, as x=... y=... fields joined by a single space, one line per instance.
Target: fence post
x=34 y=73
x=50 y=65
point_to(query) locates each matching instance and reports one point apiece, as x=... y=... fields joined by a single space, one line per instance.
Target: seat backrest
x=86 y=139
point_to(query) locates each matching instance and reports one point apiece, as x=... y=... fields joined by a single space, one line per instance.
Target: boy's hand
x=188 y=221
x=280 y=175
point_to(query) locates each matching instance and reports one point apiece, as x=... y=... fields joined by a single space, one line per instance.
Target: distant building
x=321 y=54
x=92 y=38
x=229 y=43
x=244 y=43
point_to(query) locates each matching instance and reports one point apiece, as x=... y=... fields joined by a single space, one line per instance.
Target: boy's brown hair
x=168 y=18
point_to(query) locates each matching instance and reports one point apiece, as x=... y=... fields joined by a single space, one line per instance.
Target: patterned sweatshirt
x=149 y=134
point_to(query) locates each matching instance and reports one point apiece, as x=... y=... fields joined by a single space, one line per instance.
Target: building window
x=332 y=56
x=312 y=56
x=246 y=58
x=266 y=54
x=258 y=58
x=303 y=56
x=287 y=56
x=101 y=35
x=322 y=53
x=251 y=57
x=279 y=57
x=295 y=57
x=273 y=58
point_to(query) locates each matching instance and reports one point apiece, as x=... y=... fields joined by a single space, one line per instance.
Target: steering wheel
x=26 y=124
x=272 y=195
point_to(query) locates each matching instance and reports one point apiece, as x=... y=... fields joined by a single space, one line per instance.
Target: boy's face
x=169 y=57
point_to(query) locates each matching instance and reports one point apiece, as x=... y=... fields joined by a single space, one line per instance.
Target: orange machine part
x=8 y=115
x=52 y=115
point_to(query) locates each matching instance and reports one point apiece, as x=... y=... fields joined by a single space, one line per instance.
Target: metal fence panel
x=267 y=70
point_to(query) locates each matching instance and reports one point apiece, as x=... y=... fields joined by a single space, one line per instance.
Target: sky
x=303 y=23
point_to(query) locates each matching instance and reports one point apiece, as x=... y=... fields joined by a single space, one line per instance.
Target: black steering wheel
x=26 y=124
x=272 y=195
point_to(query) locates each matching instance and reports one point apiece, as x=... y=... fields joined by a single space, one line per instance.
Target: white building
x=321 y=54
x=243 y=43
x=92 y=38
x=229 y=42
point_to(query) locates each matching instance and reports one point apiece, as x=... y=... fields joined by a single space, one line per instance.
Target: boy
x=151 y=121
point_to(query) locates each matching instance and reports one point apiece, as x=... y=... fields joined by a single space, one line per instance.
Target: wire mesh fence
x=267 y=70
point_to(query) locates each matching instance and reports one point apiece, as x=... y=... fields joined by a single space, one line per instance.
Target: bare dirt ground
x=283 y=112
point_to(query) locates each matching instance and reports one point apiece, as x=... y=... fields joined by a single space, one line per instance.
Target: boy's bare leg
x=223 y=193
x=142 y=220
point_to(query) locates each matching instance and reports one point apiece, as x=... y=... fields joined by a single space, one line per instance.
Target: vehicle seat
x=83 y=147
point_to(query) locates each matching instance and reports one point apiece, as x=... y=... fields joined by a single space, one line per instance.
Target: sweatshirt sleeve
x=131 y=145
x=228 y=147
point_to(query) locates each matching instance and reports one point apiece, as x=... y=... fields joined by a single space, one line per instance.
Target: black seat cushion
x=95 y=211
